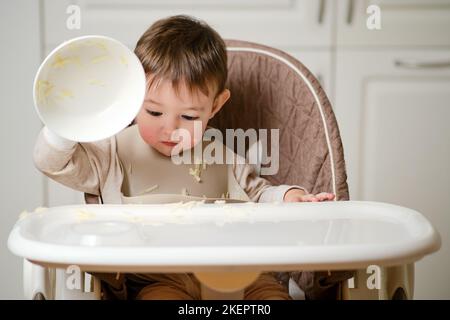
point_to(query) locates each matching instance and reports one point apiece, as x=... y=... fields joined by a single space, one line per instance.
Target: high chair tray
x=197 y=236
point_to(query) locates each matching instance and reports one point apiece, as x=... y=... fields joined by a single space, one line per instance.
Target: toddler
x=185 y=62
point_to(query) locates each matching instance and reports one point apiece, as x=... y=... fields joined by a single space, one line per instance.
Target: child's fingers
x=323 y=196
x=306 y=198
x=330 y=196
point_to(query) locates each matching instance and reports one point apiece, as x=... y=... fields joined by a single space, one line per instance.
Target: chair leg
x=76 y=286
x=37 y=282
x=399 y=282
x=380 y=283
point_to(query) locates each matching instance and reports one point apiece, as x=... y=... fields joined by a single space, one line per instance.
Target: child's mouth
x=169 y=144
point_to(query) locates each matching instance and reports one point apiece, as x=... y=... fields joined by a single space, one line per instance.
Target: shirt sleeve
x=276 y=193
x=80 y=166
x=257 y=188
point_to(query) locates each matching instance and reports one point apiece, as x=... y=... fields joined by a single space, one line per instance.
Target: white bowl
x=89 y=88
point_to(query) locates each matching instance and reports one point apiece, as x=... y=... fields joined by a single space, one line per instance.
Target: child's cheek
x=148 y=134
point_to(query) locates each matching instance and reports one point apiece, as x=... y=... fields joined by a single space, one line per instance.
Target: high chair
x=272 y=90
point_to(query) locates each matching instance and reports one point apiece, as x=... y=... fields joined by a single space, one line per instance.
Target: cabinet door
x=281 y=23
x=393 y=110
x=403 y=22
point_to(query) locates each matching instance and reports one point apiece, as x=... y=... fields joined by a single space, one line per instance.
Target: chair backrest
x=270 y=89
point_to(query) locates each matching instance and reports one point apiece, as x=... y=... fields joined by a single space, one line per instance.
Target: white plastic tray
x=223 y=237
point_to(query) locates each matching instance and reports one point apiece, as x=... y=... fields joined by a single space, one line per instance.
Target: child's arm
x=80 y=166
x=260 y=190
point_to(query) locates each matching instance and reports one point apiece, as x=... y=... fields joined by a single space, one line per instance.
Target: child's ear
x=219 y=101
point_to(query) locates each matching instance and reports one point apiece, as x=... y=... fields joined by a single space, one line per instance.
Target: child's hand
x=298 y=195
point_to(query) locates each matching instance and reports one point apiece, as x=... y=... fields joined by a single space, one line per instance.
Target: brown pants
x=187 y=287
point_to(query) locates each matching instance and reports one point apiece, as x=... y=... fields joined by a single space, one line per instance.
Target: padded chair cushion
x=267 y=93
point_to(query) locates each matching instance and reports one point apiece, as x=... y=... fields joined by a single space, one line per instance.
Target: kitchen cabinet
x=282 y=23
x=393 y=110
x=419 y=23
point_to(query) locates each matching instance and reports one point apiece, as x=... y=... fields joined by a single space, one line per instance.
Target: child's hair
x=182 y=48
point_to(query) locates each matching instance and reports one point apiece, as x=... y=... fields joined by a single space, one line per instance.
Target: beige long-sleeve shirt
x=96 y=168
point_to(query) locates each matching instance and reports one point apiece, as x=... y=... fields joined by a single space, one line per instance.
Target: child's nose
x=170 y=126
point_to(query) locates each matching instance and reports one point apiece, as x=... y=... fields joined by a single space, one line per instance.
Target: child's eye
x=189 y=117
x=154 y=113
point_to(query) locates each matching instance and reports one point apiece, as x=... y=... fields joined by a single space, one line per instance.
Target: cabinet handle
x=321 y=11
x=414 y=64
x=350 y=9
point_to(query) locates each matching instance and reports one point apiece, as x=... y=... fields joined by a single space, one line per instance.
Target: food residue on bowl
x=60 y=61
x=44 y=89
x=65 y=93
x=96 y=82
x=97 y=43
x=124 y=61
x=99 y=58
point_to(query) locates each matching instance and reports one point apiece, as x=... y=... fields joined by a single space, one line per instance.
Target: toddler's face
x=163 y=112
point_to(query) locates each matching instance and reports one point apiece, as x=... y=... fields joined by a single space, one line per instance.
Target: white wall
x=21 y=185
